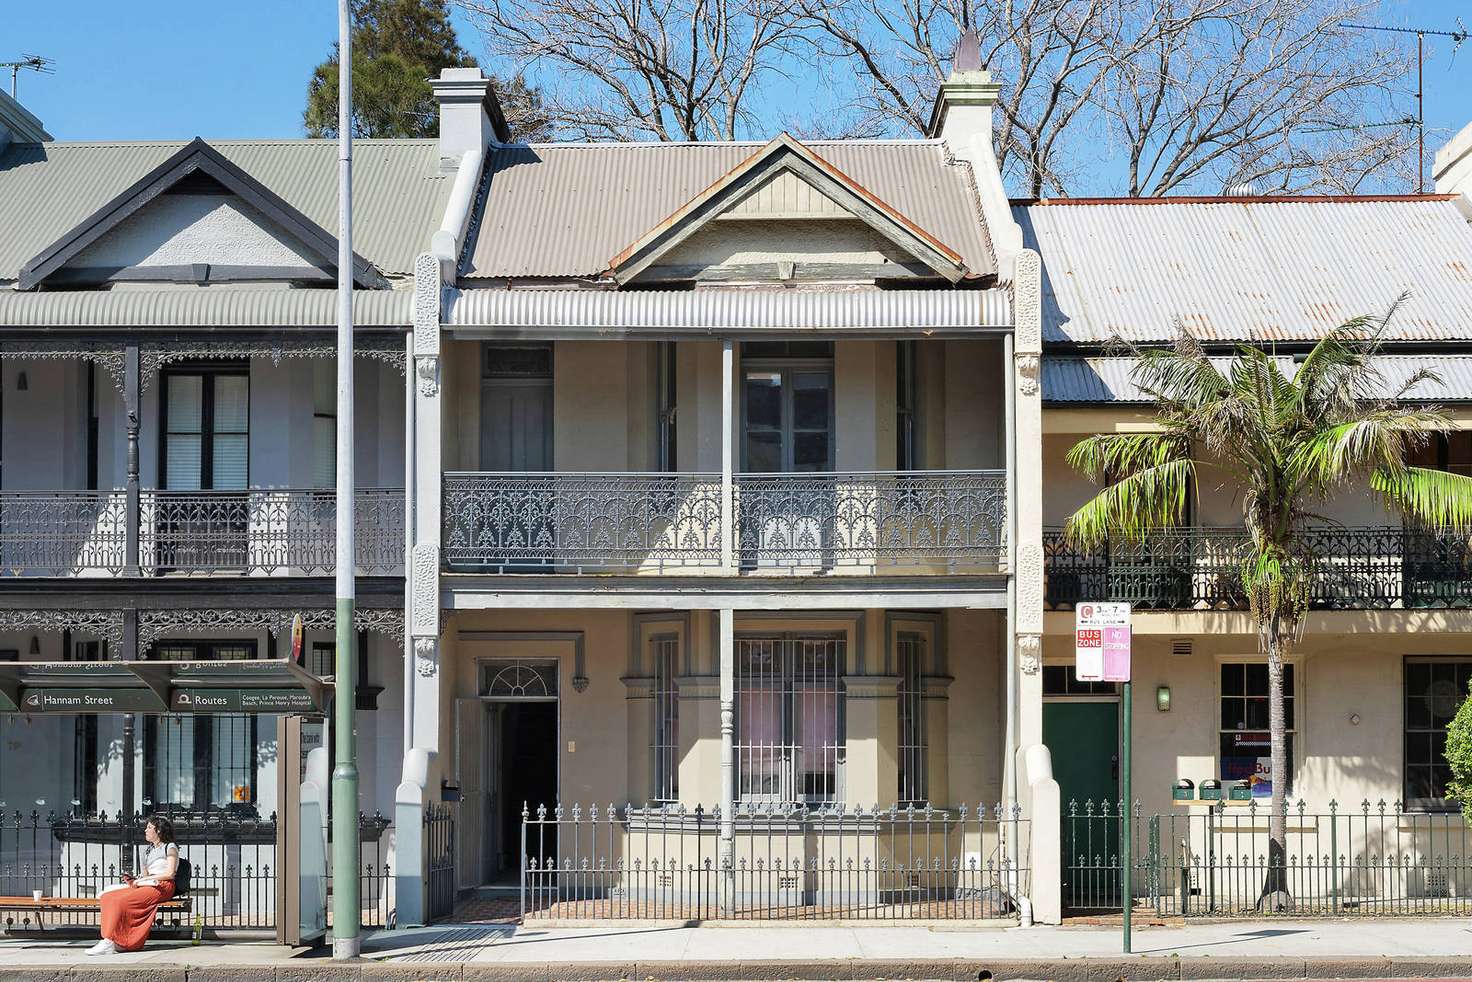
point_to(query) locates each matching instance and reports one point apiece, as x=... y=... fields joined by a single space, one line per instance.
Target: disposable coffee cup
x=36 y=896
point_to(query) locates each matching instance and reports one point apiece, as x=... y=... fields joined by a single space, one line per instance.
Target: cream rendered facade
x=646 y=656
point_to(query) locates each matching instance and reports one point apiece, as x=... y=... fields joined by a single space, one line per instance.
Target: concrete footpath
x=1438 y=948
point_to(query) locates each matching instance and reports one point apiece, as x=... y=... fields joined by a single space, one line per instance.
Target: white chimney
x=962 y=117
x=470 y=116
x=1452 y=168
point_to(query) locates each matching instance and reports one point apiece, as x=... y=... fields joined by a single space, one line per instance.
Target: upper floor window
x=906 y=392
x=206 y=443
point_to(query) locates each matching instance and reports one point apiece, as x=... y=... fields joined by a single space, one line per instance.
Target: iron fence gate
x=787 y=862
x=439 y=837
x=1375 y=859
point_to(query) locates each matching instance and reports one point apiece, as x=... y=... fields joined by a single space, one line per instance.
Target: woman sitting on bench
x=128 y=908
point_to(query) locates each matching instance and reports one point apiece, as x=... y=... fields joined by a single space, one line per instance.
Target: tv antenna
x=1458 y=36
x=35 y=63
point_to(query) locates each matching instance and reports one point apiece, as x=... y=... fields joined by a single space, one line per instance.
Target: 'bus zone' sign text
x=1102 y=642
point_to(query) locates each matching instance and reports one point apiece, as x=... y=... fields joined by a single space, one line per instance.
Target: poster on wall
x=1102 y=642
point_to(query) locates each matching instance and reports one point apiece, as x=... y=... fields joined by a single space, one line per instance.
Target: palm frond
x=1378 y=439
x=1434 y=498
x=1109 y=456
x=1151 y=498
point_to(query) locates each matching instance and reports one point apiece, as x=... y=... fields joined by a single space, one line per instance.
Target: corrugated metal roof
x=1242 y=269
x=208 y=307
x=1107 y=379
x=398 y=193
x=549 y=312
x=564 y=210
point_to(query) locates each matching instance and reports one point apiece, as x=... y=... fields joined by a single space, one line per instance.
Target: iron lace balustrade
x=789 y=862
x=1365 y=568
x=550 y=522
x=275 y=531
x=63 y=533
x=912 y=521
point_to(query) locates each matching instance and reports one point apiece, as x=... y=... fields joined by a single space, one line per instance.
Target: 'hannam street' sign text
x=1102 y=642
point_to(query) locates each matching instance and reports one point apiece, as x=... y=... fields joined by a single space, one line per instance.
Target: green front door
x=1083 y=738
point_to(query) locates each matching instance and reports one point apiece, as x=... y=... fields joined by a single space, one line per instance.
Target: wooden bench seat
x=9 y=906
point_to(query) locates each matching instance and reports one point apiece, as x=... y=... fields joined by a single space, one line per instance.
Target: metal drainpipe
x=411 y=495
x=1010 y=415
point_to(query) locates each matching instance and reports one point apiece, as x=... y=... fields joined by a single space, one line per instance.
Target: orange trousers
x=127 y=915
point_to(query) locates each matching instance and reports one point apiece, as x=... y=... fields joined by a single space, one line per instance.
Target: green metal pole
x=1127 y=814
x=347 y=941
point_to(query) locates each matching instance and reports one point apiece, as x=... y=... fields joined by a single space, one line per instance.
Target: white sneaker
x=103 y=947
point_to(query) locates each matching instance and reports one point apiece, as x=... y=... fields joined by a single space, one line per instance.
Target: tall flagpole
x=347 y=941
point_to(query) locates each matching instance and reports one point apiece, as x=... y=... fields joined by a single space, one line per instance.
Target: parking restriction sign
x=1102 y=642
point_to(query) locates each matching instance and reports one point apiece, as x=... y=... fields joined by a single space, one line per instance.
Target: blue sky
x=174 y=69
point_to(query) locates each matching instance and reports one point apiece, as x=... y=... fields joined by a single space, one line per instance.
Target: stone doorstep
x=1153 y=968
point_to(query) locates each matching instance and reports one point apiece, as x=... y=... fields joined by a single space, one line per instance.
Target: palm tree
x=1290 y=441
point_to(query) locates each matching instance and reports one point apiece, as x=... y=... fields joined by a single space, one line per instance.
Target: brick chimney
x=470 y=116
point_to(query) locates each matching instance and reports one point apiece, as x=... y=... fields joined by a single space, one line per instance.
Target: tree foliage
x=1459 y=755
x=397 y=46
x=1290 y=441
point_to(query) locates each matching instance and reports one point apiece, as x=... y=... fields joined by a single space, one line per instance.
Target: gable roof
x=563 y=210
x=399 y=193
x=194 y=157
x=784 y=154
x=19 y=124
x=1250 y=269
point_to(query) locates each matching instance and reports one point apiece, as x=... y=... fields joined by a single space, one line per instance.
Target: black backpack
x=181 y=878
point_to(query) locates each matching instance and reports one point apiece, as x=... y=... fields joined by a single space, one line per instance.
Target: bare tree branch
x=648 y=69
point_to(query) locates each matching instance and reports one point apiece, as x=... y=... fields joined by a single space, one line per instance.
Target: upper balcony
x=264 y=532
x=858 y=457
x=1358 y=568
x=903 y=522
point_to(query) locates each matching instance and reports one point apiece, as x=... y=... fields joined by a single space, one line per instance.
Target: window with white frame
x=1246 y=741
x=789 y=718
x=1434 y=690
x=910 y=652
x=665 y=653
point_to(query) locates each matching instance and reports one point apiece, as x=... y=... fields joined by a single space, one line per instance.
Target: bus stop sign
x=1102 y=642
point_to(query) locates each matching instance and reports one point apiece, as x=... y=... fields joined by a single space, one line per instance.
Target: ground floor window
x=910 y=657
x=665 y=653
x=1246 y=740
x=789 y=718
x=195 y=763
x=1434 y=689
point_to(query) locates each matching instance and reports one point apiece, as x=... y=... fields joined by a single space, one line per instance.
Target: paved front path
x=1272 y=949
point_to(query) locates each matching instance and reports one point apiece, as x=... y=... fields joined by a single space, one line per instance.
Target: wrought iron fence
x=785 y=863
x=912 y=520
x=63 y=533
x=1371 y=859
x=232 y=867
x=540 y=522
x=1200 y=568
x=275 y=531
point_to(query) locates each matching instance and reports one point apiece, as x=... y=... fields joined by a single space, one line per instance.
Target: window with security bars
x=910 y=655
x=789 y=718
x=201 y=762
x=665 y=651
x=1434 y=690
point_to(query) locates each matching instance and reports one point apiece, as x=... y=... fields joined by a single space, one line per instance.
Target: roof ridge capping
x=194 y=156
x=785 y=152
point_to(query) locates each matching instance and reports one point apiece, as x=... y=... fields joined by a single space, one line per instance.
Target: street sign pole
x=1127 y=850
x=1102 y=654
